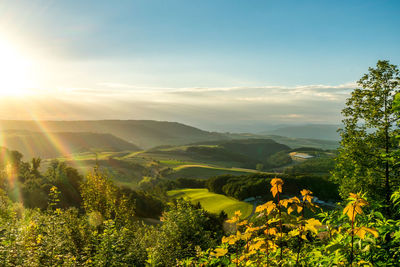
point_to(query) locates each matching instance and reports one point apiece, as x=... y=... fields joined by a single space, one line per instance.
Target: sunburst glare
x=16 y=71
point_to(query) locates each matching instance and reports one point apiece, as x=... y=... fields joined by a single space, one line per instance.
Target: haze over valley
x=226 y=133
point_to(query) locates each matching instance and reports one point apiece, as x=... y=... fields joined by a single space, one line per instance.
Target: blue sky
x=164 y=52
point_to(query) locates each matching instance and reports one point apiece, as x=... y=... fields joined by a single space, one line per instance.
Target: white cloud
x=203 y=107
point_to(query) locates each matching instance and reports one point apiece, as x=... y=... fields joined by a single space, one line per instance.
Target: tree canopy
x=369 y=134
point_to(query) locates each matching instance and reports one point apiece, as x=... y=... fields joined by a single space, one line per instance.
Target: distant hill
x=254 y=148
x=144 y=133
x=38 y=144
x=290 y=141
x=312 y=131
x=147 y=133
x=245 y=153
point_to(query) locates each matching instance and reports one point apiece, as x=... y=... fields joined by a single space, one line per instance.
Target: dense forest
x=53 y=216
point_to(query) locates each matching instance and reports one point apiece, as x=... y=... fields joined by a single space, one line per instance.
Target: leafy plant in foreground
x=281 y=234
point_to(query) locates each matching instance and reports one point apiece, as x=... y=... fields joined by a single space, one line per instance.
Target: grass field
x=204 y=171
x=94 y=155
x=214 y=203
x=175 y=163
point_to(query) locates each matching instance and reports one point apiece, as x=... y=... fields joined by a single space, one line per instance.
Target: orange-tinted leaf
x=305 y=192
x=285 y=202
x=290 y=209
x=276 y=184
x=361 y=231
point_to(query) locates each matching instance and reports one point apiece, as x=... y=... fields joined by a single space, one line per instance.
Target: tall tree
x=369 y=134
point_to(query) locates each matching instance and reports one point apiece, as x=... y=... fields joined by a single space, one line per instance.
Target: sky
x=219 y=65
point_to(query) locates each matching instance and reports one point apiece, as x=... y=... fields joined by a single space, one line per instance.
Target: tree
x=184 y=228
x=67 y=180
x=103 y=199
x=369 y=135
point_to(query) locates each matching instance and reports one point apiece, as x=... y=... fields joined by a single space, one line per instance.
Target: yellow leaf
x=361 y=231
x=295 y=200
x=290 y=209
x=233 y=220
x=354 y=206
x=271 y=231
x=257 y=245
x=353 y=196
x=372 y=231
x=262 y=207
x=230 y=239
x=276 y=184
x=358 y=210
x=268 y=206
x=242 y=223
x=348 y=210
x=299 y=208
x=311 y=225
x=294 y=232
x=251 y=252
x=271 y=206
x=305 y=192
x=285 y=202
x=252 y=229
x=245 y=236
x=307 y=195
x=219 y=252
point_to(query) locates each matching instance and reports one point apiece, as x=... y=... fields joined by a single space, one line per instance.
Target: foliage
x=278 y=159
x=368 y=135
x=184 y=230
x=145 y=204
x=101 y=198
x=280 y=235
x=313 y=165
x=242 y=187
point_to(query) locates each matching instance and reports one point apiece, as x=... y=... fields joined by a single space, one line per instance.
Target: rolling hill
x=214 y=203
x=144 y=133
x=38 y=144
x=148 y=133
x=312 y=131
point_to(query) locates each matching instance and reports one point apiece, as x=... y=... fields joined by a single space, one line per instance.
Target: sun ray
x=16 y=71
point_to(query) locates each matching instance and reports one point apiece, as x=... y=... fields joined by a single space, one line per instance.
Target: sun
x=15 y=71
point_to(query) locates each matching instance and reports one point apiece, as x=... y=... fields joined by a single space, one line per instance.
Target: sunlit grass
x=214 y=203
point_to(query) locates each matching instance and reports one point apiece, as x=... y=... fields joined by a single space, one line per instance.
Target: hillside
x=212 y=202
x=147 y=133
x=144 y=133
x=246 y=153
x=290 y=141
x=313 y=131
x=39 y=144
x=259 y=149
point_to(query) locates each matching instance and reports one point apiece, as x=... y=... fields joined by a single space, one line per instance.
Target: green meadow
x=214 y=203
x=205 y=171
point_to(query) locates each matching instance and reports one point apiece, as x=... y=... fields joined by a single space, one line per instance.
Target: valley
x=199 y=156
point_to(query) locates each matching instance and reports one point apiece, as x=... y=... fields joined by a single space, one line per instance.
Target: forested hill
x=39 y=144
x=144 y=133
x=253 y=147
x=315 y=131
